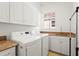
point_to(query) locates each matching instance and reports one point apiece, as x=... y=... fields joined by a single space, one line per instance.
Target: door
x=45 y=46
x=4 y=12
x=16 y=12
x=34 y=50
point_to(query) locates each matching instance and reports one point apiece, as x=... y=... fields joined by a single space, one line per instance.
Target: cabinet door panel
x=8 y=52
x=55 y=43
x=64 y=45
x=45 y=46
x=28 y=14
x=16 y=12
x=4 y=11
x=61 y=44
x=73 y=46
x=34 y=50
x=31 y=14
x=36 y=17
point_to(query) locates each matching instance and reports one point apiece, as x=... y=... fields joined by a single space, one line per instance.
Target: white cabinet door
x=31 y=15
x=28 y=14
x=55 y=43
x=4 y=11
x=16 y=12
x=73 y=46
x=36 y=16
x=61 y=45
x=8 y=52
x=64 y=45
x=45 y=46
x=34 y=50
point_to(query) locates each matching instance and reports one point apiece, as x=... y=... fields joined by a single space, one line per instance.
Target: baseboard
x=58 y=53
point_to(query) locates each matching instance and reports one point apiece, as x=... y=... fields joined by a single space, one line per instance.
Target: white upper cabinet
x=4 y=12
x=24 y=13
x=16 y=12
x=28 y=14
x=31 y=15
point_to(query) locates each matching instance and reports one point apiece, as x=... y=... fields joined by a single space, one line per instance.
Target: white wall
x=63 y=11
x=6 y=29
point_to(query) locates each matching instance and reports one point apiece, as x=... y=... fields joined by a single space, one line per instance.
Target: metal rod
x=70 y=47
x=76 y=33
x=72 y=15
x=70 y=34
x=70 y=39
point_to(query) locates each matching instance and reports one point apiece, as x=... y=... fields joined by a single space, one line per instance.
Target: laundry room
x=39 y=28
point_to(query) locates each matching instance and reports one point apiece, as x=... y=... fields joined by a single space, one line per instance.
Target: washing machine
x=28 y=45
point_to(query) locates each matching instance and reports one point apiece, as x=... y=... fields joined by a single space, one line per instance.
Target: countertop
x=6 y=44
x=65 y=34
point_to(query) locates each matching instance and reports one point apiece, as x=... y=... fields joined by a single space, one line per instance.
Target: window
x=49 y=20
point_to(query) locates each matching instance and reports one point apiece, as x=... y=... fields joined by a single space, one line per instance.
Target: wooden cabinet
x=4 y=12
x=8 y=52
x=16 y=12
x=45 y=45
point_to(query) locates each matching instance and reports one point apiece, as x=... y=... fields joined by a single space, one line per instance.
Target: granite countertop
x=6 y=44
